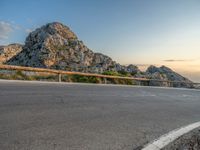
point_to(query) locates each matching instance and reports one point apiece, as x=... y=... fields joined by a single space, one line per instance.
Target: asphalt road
x=48 y=116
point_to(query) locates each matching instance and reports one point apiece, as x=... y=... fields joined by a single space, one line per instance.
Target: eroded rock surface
x=9 y=51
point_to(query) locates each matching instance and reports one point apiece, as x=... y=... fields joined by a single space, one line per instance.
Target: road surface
x=53 y=116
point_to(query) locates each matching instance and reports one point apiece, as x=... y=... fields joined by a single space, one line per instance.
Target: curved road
x=52 y=116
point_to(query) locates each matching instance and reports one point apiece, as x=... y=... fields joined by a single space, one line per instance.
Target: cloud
x=29 y=20
x=177 y=60
x=17 y=27
x=143 y=65
x=5 y=29
x=28 y=30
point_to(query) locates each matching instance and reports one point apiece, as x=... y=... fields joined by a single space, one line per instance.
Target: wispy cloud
x=143 y=65
x=28 y=30
x=178 y=60
x=29 y=20
x=5 y=29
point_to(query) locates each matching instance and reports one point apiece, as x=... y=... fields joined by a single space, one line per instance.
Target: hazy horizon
x=131 y=32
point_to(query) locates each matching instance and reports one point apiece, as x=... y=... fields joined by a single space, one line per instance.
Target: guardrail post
x=170 y=84
x=148 y=83
x=105 y=80
x=59 y=77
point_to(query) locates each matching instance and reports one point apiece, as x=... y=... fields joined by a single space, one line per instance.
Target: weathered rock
x=165 y=73
x=7 y=52
x=56 y=46
x=133 y=69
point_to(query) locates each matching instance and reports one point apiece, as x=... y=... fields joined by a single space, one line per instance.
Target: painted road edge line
x=170 y=137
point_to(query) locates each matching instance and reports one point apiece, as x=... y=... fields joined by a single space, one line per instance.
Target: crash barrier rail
x=140 y=81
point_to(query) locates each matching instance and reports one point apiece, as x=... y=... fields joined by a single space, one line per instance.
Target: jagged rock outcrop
x=9 y=51
x=55 y=46
x=165 y=73
x=133 y=69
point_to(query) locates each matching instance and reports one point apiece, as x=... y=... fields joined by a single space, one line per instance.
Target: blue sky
x=130 y=31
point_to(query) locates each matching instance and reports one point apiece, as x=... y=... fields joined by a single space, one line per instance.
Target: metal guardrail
x=61 y=72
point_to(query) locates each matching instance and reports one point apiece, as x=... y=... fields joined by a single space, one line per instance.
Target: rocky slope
x=9 y=51
x=55 y=46
x=165 y=73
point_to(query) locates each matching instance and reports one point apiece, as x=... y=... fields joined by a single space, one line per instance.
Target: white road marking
x=170 y=137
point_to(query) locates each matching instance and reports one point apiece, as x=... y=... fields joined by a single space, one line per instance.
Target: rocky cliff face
x=7 y=52
x=55 y=46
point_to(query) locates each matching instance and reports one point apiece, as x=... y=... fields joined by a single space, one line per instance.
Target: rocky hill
x=165 y=73
x=55 y=46
x=9 y=51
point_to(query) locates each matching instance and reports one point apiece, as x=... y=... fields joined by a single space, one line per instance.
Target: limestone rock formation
x=55 y=46
x=9 y=51
x=165 y=73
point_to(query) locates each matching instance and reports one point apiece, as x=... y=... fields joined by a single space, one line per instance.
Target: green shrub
x=111 y=73
x=84 y=79
x=20 y=75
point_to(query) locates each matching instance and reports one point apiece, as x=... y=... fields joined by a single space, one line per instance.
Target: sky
x=142 y=32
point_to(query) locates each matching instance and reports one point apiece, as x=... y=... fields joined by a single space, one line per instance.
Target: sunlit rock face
x=7 y=52
x=54 y=45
